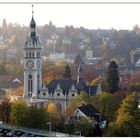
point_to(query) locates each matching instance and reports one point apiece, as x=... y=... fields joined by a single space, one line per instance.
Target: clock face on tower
x=30 y=64
x=38 y=64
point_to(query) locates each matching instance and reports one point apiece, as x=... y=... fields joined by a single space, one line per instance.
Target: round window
x=58 y=94
x=72 y=94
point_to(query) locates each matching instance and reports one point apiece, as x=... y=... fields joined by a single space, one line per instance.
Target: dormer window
x=58 y=86
x=72 y=87
x=72 y=95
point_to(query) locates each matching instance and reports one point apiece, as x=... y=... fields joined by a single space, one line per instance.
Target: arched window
x=29 y=54
x=33 y=54
x=30 y=84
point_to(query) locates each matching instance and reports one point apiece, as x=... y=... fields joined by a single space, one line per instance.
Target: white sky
x=93 y=16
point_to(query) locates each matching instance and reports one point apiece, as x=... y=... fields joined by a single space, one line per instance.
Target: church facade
x=58 y=91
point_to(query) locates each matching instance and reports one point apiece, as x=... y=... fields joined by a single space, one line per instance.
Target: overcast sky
x=92 y=16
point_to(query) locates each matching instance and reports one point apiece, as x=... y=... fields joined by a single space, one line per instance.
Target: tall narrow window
x=38 y=82
x=29 y=54
x=33 y=54
x=30 y=84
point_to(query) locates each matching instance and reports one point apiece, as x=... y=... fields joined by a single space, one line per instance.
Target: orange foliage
x=51 y=75
x=52 y=110
x=20 y=91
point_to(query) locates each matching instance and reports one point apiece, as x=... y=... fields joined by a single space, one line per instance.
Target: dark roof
x=11 y=84
x=91 y=111
x=91 y=90
x=66 y=84
x=32 y=23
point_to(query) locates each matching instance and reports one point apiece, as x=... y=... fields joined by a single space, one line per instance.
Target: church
x=57 y=90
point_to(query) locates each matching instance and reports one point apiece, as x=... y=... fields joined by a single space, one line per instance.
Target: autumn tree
x=113 y=77
x=95 y=82
x=5 y=109
x=51 y=75
x=52 y=110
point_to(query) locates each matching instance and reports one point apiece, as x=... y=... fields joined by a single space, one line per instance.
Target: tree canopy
x=127 y=123
x=113 y=77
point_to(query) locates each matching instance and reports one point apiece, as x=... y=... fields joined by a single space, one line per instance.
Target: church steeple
x=32 y=62
x=32 y=26
x=80 y=74
x=80 y=79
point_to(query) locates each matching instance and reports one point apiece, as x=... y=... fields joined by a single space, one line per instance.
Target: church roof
x=91 y=111
x=66 y=85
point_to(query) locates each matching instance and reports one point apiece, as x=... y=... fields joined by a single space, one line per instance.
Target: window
x=26 y=54
x=33 y=54
x=58 y=94
x=72 y=94
x=38 y=82
x=30 y=84
x=29 y=54
x=44 y=93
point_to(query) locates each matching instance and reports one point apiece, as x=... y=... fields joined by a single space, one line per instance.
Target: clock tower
x=32 y=63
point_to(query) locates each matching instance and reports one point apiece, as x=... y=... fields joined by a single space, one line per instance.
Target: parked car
x=10 y=134
x=4 y=132
x=18 y=133
x=27 y=135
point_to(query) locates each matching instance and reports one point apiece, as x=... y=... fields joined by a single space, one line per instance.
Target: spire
x=80 y=79
x=32 y=10
x=32 y=25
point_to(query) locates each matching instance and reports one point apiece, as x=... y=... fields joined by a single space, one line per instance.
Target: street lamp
x=50 y=125
x=78 y=132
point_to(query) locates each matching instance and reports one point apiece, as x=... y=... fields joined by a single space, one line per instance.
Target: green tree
x=107 y=104
x=127 y=122
x=112 y=77
x=87 y=128
x=78 y=100
x=67 y=72
x=18 y=112
x=37 y=118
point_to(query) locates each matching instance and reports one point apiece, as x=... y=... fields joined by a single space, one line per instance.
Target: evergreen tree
x=67 y=72
x=112 y=77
